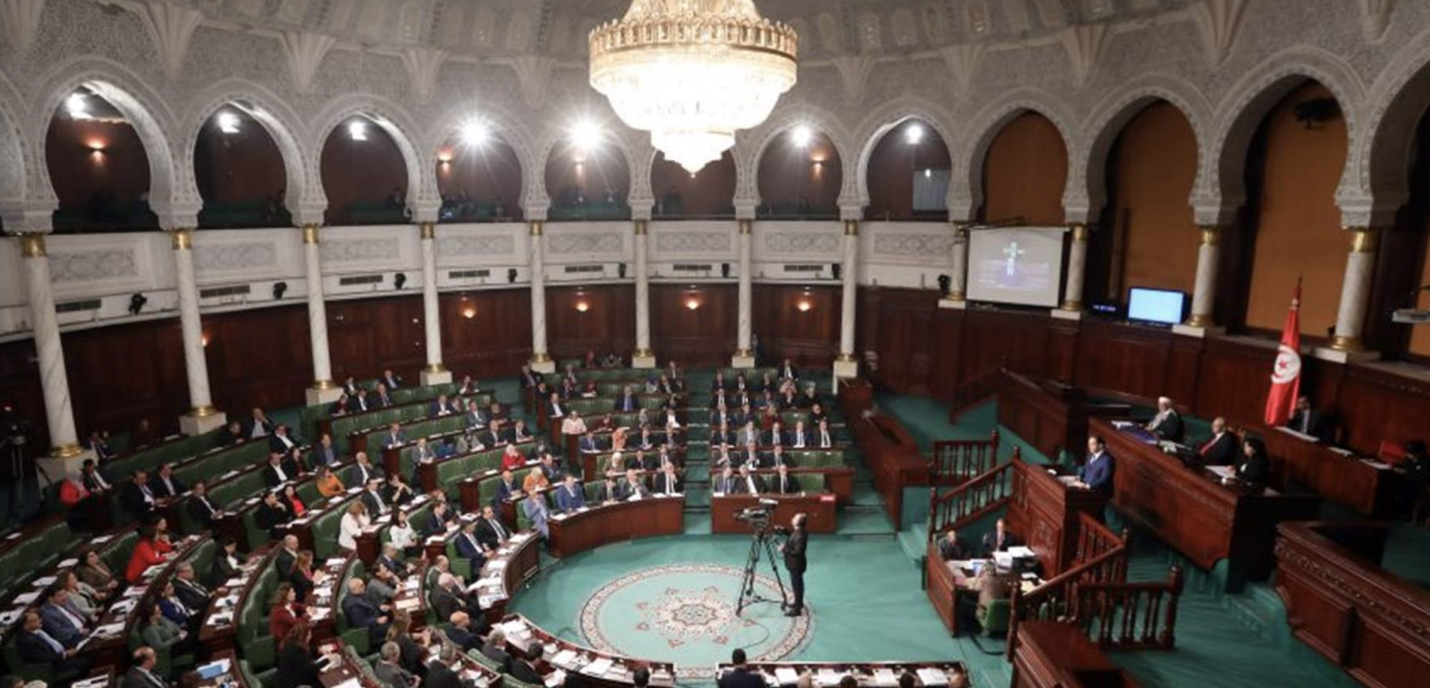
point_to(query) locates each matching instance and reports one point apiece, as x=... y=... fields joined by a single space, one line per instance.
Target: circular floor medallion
x=686 y=614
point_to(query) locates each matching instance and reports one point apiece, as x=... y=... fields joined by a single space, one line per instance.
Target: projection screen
x=1016 y=265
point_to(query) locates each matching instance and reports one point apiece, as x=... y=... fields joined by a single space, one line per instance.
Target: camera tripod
x=761 y=543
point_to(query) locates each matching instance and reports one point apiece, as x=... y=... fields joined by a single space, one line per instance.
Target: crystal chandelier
x=693 y=72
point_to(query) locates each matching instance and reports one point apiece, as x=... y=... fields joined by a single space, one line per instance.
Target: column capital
x=536 y=227
x=32 y=245
x=310 y=233
x=1364 y=239
x=747 y=226
x=640 y=227
x=429 y=230
x=182 y=238
x=960 y=229
x=851 y=228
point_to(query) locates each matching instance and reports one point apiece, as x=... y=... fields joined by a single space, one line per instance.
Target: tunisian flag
x=1286 y=372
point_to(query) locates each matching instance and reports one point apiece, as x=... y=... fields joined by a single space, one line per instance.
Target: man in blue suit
x=36 y=646
x=570 y=496
x=469 y=547
x=537 y=513
x=1097 y=473
x=362 y=613
x=60 y=623
x=627 y=402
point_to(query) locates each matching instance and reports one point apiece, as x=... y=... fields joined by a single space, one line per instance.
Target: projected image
x=1018 y=266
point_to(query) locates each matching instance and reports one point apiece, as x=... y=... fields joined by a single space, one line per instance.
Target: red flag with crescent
x=1286 y=371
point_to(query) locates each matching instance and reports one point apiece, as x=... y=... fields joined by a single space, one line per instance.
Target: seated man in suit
x=627 y=402
x=999 y=540
x=508 y=489
x=280 y=441
x=143 y=670
x=748 y=483
x=232 y=434
x=474 y=418
x=37 y=646
x=447 y=597
x=165 y=485
x=570 y=497
x=462 y=634
x=667 y=482
x=549 y=468
x=388 y=670
x=138 y=499
x=1308 y=421
x=258 y=425
x=395 y=437
x=725 y=482
x=1097 y=473
x=325 y=454
x=59 y=621
x=287 y=558
x=588 y=444
x=93 y=480
x=608 y=490
x=372 y=498
x=439 y=663
x=632 y=487
x=785 y=483
x=952 y=547
x=1167 y=424
x=739 y=675
x=495 y=649
x=523 y=668
x=201 y=509
x=361 y=402
x=363 y=472
x=361 y=612
x=1222 y=448
x=380 y=397
x=556 y=409
x=491 y=532
x=191 y=592
x=391 y=380
x=272 y=515
x=537 y=513
x=422 y=453
x=275 y=473
x=468 y=547
x=436 y=521
x=777 y=436
x=440 y=408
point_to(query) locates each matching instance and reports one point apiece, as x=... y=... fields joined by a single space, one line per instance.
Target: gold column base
x=323 y=384
x=540 y=358
x=1348 y=344
x=67 y=450
x=845 y=358
x=203 y=411
x=434 y=368
x=643 y=353
x=955 y=296
x=1201 y=320
x=1071 y=306
x=744 y=353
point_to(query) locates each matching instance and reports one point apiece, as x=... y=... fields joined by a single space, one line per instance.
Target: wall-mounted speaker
x=279 y=289
x=621 y=270
x=836 y=269
x=511 y=276
x=943 y=282
x=725 y=270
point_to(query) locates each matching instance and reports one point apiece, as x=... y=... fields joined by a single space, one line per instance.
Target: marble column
x=202 y=416
x=846 y=365
x=1203 y=317
x=540 y=360
x=643 y=356
x=1077 y=265
x=744 y=346
x=65 y=455
x=434 y=373
x=323 y=391
x=958 y=275
x=1355 y=291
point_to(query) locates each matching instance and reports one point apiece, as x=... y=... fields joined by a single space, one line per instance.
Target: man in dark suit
x=740 y=676
x=1308 y=421
x=271 y=515
x=391 y=380
x=363 y=471
x=280 y=441
x=796 y=561
x=952 y=547
x=325 y=454
x=258 y=425
x=361 y=402
x=999 y=540
x=474 y=418
x=667 y=482
x=447 y=597
x=381 y=398
x=439 y=670
x=633 y=487
x=138 y=499
x=570 y=496
x=362 y=613
x=1222 y=448
x=93 y=480
x=275 y=474
x=469 y=547
x=785 y=483
x=1097 y=473
x=61 y=623
x=201 y=509
x=38 y=647
x=588 y=443
x=395 y=437
x=461 y=633
x=372 y=498
x=491 y=532
x=787 y=371
x=607 y=491
x=194 y=595
x=287 y=557
x=523 y=668
x=507 y=488
x=1167 y=424
x=436 y=521
x=627 y=403
x=142 y=672
x=748 y=483
x=495 y=649
x=165 y=485
x=725 y=482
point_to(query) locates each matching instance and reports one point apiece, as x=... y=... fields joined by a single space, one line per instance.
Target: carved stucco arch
x=971 y=152
x=1222 y=189
x=26 y=198
x=884 y=119
x=1088 y=166
x=1381 y=157
x=283 y=127
x=503 y=125
x=756 y=142
x=650 y=154
x=551 y=137
x=173 y=195
x=394 y=120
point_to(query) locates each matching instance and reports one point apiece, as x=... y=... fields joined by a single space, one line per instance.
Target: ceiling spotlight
x=474 y=134
x=77 y=106
x=915 y=135
x=228 y=122
x=928 y=173
x=586 y=135
x=357 y=130
x=802 y=136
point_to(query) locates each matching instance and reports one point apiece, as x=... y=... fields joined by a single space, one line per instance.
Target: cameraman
x=795 y=561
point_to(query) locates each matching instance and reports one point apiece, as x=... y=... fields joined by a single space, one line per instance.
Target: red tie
x=1207 y=447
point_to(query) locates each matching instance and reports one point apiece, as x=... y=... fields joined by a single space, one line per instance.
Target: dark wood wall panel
x=486 y=333
x=20 y=386
x=809 y=338
x=259 y=358
x=366 y=336
x=607 y=324
x=119 y=375
x=705 y=335
x=1121 y=359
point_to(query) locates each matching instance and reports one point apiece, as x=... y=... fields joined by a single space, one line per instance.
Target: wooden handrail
x=1129 y=616
x=1055 y=597
x=973 y=391
x=1094 y=538
x=955 y=461
x=972 y=499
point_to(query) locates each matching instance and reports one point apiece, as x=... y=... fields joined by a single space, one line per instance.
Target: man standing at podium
x=795 y=561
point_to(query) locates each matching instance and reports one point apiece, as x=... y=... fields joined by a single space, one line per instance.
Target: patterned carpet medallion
x=686 y=614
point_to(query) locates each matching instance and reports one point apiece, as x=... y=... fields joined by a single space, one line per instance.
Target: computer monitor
x=1161 y=306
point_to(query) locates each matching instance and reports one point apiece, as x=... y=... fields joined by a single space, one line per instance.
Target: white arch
x=503 y=125
x=758 y=140
x=16 y=164
x=172 y=193
x=281 y=123
x=1087 y=171
x=970 y=153
x=1381 y=156
x=1223 y=187
x=617 y=137
x=883 y=120
x=651 y=153
x=394 y=120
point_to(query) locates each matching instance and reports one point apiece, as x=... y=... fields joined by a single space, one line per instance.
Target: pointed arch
x=972 y=152
x=1381 y=157
x=619 y=137
x=883 y=120
x=757 y=141
x=394 y=120
x=504 y=125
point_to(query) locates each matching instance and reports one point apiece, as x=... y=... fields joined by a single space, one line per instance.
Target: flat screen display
x=1155 y=305
x=1016 y=265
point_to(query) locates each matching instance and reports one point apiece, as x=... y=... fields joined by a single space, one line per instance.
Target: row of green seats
x=201 y=557
x=230 y=494
x=453 y=471
x=254 y=641
x=376 y=438
x=601 y=406
x=379 y=421
x=33 y=549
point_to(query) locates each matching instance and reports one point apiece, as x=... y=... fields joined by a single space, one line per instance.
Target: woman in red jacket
x=287 y=610
x=290 y=495
x=150 y=550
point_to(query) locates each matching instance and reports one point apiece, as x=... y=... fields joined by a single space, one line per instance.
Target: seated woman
x=397 y=490
x=96 y=574
x=158 y=631
x=151 y=549
x=296 y=666
x=1254 y=467
x=512 y=458
x=287 y=610
x=303 y=578
x=295 y=503
x=618 y=439
x=401 y=533
x=226 y=564
x=328 y=482
x=616 y=465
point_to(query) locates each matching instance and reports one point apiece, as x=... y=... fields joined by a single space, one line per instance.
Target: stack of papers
x=564 y=659
x=828 y=677
x=68 y=563
x=598 y=667
x=933 y=677
x=27 y=598
x=43 y=582
x=786 y=675
x=92 y=682
x=885 y=678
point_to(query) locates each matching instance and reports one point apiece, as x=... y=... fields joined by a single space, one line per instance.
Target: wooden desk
x=369 y=541
x=617 y=522
x=221 y=619
x=114 y=648
x=955 y=674
x=1191 y=510
x=894 y=458
x=820 y=507
x=1049 y=418
x=1044 y=514
x=1345 y=479
x=1058 y=655
x=515 y=562
x=1342 y=604
x=572 y=658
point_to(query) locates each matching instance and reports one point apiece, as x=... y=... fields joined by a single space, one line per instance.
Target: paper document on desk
x=408 y=604
x=885 y=678
x=1020 y=552
x=933 y=676
x=43 y=582
x=556 y=678
x=1297 y=434
x=27 y=598
x=829 y=677
x=786 y=675
x=350 y=683
x=1378 y=465
x=1223 y=471
x=564 y=659
x=92 y=682
x=598 y=667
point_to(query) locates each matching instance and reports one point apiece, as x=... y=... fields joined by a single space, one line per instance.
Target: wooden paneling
x=366 y=336
x=494 y=340
x=119 y=375
x=1374 y=404
x=809 y=338
x=608 y=322
x=20 y=386
x=259 y=358
x=1123 y=359
x=704 y=335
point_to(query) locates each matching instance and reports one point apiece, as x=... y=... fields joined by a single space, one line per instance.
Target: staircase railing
x=1129 y=616
x=1055 y=599
x=1094 y=538
x=974 y=391
x=971 y=500
x=955 y=461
